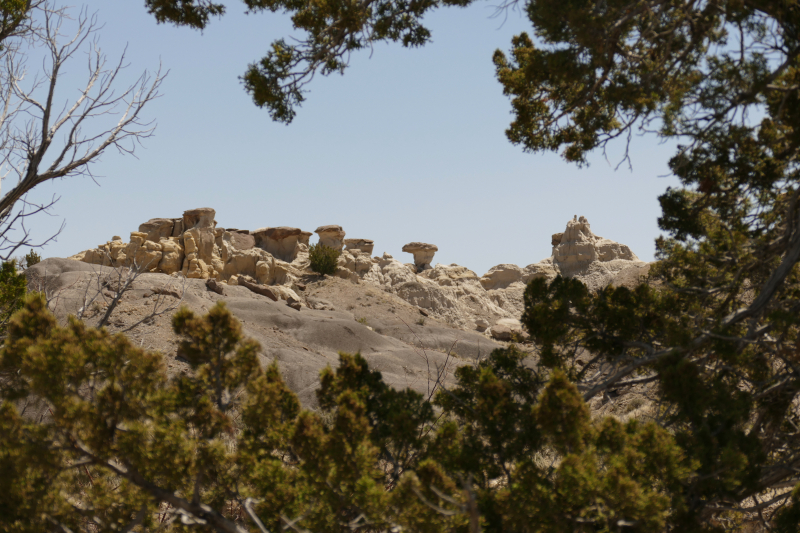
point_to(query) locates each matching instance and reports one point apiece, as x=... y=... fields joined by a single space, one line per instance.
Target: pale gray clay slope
x=349 y=317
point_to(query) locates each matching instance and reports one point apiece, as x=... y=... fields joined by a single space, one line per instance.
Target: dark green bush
x=12 y=290
x=31 y=258
x=323 y=258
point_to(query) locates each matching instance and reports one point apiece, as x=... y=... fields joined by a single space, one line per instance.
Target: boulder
x=501 y=333
x=331 y=236
x=263 y=290
x=423 y=254
x=212 y=285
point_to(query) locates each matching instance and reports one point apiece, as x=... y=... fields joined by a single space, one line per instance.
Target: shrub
x=31 y=258
x=12 y=290
x=323 y=258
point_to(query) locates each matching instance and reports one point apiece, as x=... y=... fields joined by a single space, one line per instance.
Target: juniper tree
x=94 y=436
x=716 y=329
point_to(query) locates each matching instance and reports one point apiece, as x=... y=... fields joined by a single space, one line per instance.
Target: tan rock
x=501 y=276
x=346 y=261
x=423 y=253
x=172 y=255
x=364 y=245
x=331 y=236
x=142 y=254
x=285 y=293
x=202 y=217
x=577 y=245
x=282 y=242
x=501 y=333
x=580 y=248
x=212 y=285
x=449 y=275
x=263 y=290
x=284 y=273
x=264 y=271
x=203 y=259
x=242 y=241
x=177 y=228
x=157 y=228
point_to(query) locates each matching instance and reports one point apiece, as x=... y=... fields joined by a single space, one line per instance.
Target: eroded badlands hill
x=415 y=322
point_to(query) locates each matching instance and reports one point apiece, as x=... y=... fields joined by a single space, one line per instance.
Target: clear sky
x=408 y=145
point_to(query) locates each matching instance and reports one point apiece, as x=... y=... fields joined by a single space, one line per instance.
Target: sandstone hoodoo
x=331 y=236
x=274 y=261
x=423 y=254
x=363 y=245
x=282 y=242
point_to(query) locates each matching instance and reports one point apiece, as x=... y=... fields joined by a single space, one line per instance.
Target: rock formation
x=423 y=254
x=331 y=236
x=274 y=260
x=281 y=242
x=364 y=245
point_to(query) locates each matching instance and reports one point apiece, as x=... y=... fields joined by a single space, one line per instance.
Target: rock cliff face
x=194 y=247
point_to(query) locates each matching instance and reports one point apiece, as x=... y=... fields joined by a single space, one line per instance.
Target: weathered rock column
x=282 y=242
x=423 y=254
x=199 y=240
x=331 y=236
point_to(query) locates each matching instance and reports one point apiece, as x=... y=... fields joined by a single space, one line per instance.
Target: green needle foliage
x=95 y=437
x=715 y=330
x=12 y=292
x=324 y=259
x=31 y=258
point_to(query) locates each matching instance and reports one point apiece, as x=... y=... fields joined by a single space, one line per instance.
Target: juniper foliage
x=94 y=436
x=323 y=259
x=715 y=329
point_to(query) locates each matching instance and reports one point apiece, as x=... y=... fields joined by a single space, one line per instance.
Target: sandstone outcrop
x=331 y=236
x=273 y=261
x=423 y=254
x=577 y=253
x=282 y=242
x=364 y=245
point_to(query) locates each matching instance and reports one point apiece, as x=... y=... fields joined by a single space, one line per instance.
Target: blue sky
x=408 y=145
